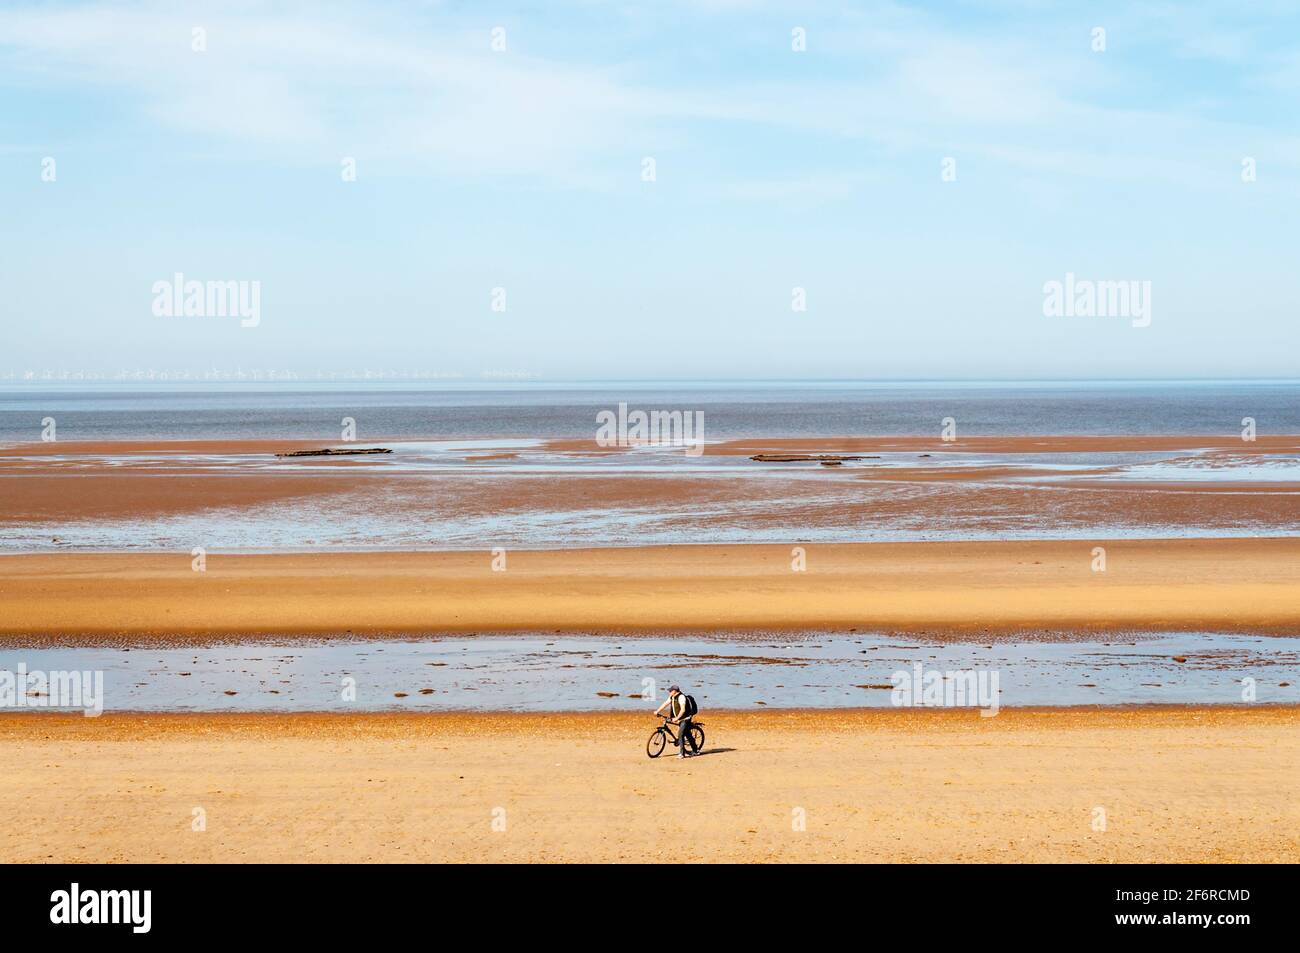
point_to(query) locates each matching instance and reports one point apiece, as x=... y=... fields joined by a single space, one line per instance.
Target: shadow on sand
x=709 y=751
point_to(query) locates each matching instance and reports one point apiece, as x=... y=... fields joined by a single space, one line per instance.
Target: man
x=678 y=715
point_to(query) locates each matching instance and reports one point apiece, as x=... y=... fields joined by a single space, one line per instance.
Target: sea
x=732 y=409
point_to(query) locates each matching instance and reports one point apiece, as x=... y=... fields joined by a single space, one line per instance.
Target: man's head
x=674 y=690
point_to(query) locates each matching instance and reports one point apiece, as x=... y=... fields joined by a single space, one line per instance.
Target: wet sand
x=1099 y=443
x=943 y=589
x=967 y=481
x=1175 y=785
x=105 y=448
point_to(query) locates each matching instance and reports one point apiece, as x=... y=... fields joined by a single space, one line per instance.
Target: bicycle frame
x=667 y=727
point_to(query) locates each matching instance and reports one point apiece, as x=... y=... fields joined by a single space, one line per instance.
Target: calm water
x=549 y=674
x=101 y=412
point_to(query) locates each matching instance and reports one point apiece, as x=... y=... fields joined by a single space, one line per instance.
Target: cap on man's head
x=673 y=688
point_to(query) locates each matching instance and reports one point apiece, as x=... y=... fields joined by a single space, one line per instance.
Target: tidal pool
x=575 y=673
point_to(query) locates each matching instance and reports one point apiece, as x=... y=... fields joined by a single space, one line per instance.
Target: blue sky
x=775 y=169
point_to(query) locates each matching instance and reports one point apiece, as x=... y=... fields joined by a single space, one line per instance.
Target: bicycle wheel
x=655 y=746
x=697 y=735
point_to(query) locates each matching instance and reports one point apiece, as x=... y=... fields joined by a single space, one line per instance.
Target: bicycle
x=660 y=737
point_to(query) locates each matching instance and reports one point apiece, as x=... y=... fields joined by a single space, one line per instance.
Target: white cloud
x=347 y=79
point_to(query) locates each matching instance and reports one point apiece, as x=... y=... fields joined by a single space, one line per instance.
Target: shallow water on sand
x=495 y=673
x=486 y=479
x=475 y=494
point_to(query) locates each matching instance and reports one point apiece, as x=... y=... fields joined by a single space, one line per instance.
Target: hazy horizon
x=489 y=383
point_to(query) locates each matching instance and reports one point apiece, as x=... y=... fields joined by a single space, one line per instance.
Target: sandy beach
x=938 y=588
x=129 y=494
x=1175 y=785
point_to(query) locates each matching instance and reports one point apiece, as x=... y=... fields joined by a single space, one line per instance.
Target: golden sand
x=939 y=588
x=1109 y=785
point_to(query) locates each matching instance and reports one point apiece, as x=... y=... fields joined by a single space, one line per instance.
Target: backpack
x=692 y=709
